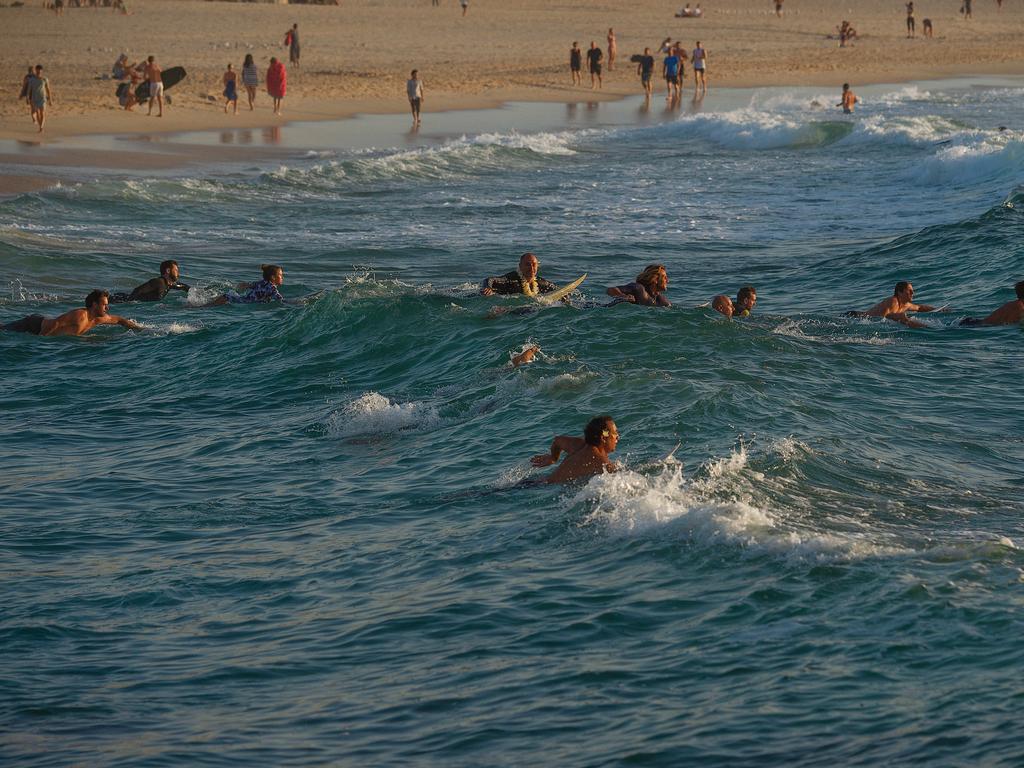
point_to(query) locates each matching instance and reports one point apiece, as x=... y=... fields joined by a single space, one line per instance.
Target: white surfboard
x=561 y=293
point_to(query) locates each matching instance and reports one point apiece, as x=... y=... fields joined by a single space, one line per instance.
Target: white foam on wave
x=793 y=329
x=631 y=505
x=374 y=414
x=966 y=164
x=199 y=295
x=752 y=128
x=172 y=328
x=908 y=130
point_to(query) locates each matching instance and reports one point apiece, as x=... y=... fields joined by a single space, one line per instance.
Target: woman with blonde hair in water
x=648 y=289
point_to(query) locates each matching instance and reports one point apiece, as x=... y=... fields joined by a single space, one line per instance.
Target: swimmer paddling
x=585 y=456
x=73 y=323
x=897 y=306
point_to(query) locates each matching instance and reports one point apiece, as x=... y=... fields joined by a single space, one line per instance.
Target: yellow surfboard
x=561 y=293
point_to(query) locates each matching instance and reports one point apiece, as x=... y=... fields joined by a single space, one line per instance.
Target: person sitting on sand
x=926 y=24
x=746 y=299
x=155 y=289
x=847 y=100
x=261 y=292
x=73 y=323
x=896 y=307
x=648 y=289
x=524 y=280
x=1011 y=313
x=685 y=12
x=586 y=456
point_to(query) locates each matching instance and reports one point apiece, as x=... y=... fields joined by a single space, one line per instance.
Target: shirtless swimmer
x=585 y=456
x=76 y=322
x=896 y=307
x=1011 y=313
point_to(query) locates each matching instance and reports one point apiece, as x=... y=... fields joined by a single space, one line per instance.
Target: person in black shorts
x=155 y=289
x=594 y=58
x=576 y=63
x=645 y=68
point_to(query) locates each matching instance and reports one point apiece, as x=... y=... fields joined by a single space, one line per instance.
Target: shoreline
x=80 y=156
x=190 y=119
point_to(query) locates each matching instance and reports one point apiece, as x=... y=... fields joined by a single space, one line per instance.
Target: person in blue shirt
x=262 y=292
x=670 y=69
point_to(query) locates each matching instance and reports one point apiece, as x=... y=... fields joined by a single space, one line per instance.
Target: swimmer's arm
x=921 y=308
x=645 y=298
x=618 y=293
x=566 y=443
x=124 y=322
x=662 y=301
x=902 y=317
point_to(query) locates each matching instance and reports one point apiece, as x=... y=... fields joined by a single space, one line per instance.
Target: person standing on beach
x=778 y=8
x=670 y=71
x=291 y=38
x=39 y=95
x=594 y=58
x=613 y=49
x=576 y=63
x=230 y=89
x=156 y=85
x=645 y=68
x=700 y=63
x=277 y=82
x=848 y=99
x=414 y=90
x=250 y=79
x=966 y=9
x=465 y=6
x=911 y=26
x=24 y=90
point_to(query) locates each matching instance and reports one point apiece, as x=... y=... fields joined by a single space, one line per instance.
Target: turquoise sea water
x=293 y=535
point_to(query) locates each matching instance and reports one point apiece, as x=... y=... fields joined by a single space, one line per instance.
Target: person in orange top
x=277 y=83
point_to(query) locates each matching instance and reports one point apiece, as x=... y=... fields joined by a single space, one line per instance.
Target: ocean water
x=295 y=535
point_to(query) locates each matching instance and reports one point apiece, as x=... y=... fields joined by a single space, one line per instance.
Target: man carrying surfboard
x=585 y=456
x=524 y=281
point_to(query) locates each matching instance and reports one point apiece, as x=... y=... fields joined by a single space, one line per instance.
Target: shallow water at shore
x=293 y=536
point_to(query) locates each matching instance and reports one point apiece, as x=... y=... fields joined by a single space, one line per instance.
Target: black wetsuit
x=32 y=324
x=511 y=284
x=151 y=290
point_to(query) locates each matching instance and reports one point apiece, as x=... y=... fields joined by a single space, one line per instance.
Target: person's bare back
x=585 y=456
x=897 y=306
x=1011 y=313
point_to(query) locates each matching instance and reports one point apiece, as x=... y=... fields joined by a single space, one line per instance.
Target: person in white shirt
x=414 y=89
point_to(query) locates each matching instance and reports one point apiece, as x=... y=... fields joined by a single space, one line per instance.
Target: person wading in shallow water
x=585 y=456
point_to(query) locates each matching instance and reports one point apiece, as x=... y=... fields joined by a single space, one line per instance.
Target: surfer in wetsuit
x=155 y=289
x=648 y=289
x=73 y=323
x=523 y=281
x=585 y=456
x=746 y=299
x=896 y=307
x=1010 y=313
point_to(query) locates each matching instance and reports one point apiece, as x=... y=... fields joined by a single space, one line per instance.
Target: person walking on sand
x=24 y=90
x=250 y=79
x=848 y=99
x=594 y=58
x=156 y=85
x=613 y=49
x=277 y=82
x=576 y=63
x=465 y=6
x=670 y=71
x=230 y=89
x=292 y=41
x=645 y=68
x=39 y=95
x=778 y=8
x=414 y=90
x=911 y=26
x=700 y=63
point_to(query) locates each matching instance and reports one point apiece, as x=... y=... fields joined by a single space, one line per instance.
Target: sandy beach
x=356 y=56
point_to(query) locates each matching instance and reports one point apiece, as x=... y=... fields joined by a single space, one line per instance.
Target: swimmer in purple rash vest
x=261 y=292
x=73 y=323
x=1011 y=313
x=585 y=456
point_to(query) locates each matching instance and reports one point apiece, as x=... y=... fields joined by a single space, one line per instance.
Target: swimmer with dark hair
x=155 y=289
x=648 y=289
x=897 y=306
x=1011 y=313
x=746 y=299
x=76 y=322
x=262 y=292
x=585 y=456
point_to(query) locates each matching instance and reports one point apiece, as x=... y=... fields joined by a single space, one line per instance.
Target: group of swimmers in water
x=585 y=456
